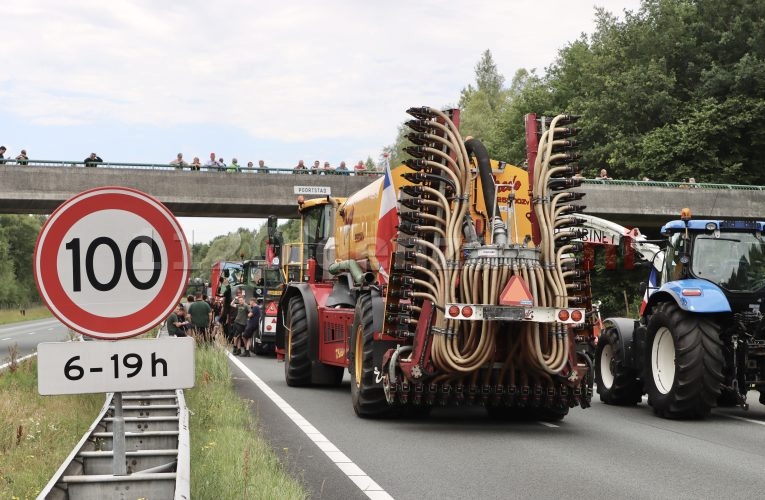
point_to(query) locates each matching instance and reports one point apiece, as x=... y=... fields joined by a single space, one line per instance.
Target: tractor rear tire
x=367 y=395
x=297 y=363
x=683 y=363
x=617 y=384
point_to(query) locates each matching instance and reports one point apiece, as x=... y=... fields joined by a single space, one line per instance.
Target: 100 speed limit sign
x=111 y=262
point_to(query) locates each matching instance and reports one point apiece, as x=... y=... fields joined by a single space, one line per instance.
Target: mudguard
x=710 y=300
x=625 y=329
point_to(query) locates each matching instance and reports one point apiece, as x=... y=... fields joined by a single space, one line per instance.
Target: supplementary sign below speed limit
x=111 y=262
x=130 y=365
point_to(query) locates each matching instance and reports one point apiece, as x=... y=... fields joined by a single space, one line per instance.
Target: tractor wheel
x=683 y=363
x=617 y=384
x=367 y=394
x=297 y=363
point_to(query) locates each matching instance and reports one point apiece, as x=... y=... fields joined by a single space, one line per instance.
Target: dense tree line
x=674 y=90
x=18 y=236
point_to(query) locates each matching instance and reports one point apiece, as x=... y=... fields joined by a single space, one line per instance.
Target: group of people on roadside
x=201 y=318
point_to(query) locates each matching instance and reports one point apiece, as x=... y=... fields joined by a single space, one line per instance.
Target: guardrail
x=367 y=173
x=187 y=167
x=157 y=452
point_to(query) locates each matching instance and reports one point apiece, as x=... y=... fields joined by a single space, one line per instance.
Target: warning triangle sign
x=271 y=309
x=516 y=293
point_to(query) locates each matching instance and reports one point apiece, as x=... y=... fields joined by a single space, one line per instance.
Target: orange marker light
x=576 y=315
x=563 y=315
x=685 y=214
x=454 y=311
x=467 y=311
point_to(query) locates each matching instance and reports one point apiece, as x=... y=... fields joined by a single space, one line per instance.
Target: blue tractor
x=700 y=339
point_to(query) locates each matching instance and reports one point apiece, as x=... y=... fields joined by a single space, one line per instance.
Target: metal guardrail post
x=119 y=465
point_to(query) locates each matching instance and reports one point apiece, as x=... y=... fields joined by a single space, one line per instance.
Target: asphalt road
x=603 y=452
x=24 y=337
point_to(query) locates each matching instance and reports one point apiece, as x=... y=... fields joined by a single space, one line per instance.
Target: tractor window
x=672 y=265
x=315 y=229
x=735 y=261
x=272 y=278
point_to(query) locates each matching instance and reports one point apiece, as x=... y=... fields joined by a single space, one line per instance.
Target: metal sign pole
x=119 y=465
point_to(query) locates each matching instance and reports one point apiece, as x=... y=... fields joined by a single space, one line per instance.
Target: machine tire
x=683 y=363
x=297 y=362
x=368 y=397
x=617 y=384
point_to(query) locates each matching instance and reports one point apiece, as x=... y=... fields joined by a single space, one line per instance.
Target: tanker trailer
x=451 y=280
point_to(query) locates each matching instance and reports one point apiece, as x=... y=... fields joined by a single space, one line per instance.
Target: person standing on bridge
x=91 y=160
x=195 y=165
x=315 y=167
x=342 y=169
x=22 y=158
x=262 y=168
x=179 y=162
x=211 y=164
x=234 y=167
x=300 y=168
x=359 y=168
x=2 y=155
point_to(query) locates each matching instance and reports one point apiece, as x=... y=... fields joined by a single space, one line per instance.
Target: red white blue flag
x=386 y=226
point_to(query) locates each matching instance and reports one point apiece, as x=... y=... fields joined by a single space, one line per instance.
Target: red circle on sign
x=168 y=293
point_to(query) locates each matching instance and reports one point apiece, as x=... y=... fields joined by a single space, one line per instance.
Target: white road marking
x=19 y=360
x=345 y=464
x=758 y=422
x=6 y=338
x=548 y=424
x=31 y=333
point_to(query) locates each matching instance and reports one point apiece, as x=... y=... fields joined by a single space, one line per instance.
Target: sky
x=139 y=81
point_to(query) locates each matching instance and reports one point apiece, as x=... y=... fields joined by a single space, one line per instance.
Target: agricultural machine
x=451 y=280
x=700 y=339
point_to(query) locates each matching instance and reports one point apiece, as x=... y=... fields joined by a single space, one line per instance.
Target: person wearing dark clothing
x=240 y=322
x=2 y=154
x=176 y=323
x=224 y=292
x=22 y=159
x=253 y=322
x=91 y=160
x=200 y=313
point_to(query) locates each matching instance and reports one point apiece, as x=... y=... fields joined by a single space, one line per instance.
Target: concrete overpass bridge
x=41 y=186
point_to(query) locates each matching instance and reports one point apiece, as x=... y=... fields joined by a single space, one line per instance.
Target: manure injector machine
x=451 y=280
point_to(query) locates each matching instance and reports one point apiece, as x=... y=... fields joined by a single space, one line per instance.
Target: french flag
x=386 y=225
x=653 y=279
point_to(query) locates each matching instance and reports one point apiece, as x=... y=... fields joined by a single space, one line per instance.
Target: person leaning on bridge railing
x=91 y=160
x=22 y=159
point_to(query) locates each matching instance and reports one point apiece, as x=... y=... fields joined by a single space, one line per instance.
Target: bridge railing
x=369 y=173
x=674 y=185
x=167 y=166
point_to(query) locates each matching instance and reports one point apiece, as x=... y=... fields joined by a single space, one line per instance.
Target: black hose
x=476 y=147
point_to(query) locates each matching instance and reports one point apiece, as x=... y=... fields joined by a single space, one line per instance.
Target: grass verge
x=14 y=315
x=37 y=433
x=227 y=456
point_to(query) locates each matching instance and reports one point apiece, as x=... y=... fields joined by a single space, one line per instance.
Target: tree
x=19 y=233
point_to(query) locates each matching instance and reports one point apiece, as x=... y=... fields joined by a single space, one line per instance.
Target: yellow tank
x=357 y=217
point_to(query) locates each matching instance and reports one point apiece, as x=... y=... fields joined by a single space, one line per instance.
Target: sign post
x=112 y=263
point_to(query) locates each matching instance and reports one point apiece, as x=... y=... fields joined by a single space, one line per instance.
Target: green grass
x=228 y=458
x=37 y=433
x=226 y=453
x=14 y=315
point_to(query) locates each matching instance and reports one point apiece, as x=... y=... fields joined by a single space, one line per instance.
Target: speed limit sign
x=111 y=262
